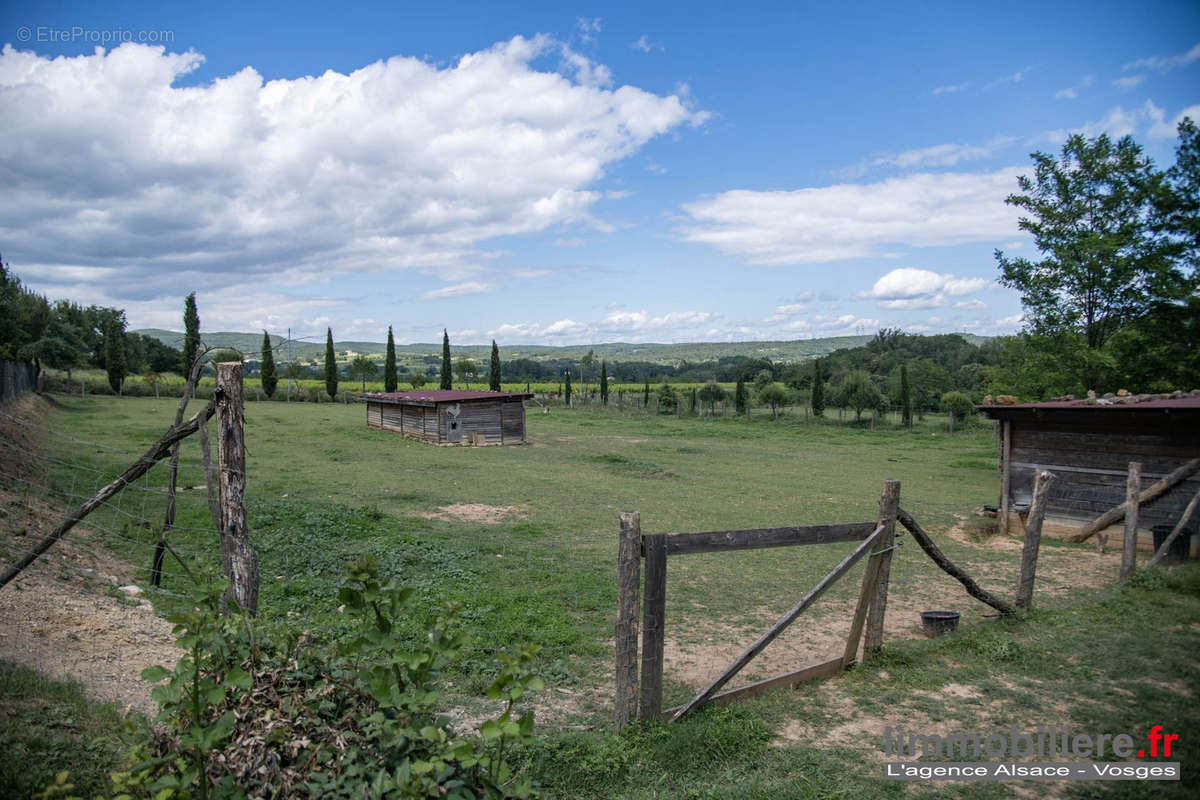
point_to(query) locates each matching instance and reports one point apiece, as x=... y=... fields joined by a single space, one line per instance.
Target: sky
x=554 y=172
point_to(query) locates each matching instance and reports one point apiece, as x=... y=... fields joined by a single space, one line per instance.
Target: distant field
x=319 y=476
x=525 y=538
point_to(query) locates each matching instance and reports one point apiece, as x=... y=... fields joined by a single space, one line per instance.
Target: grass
x=324 y=489
x=47 y=726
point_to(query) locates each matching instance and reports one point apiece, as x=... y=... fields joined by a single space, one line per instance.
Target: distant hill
x=672 y=354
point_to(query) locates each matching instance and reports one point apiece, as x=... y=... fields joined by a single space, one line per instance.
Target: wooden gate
x=643 y=699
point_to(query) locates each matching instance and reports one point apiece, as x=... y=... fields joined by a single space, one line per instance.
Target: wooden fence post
x=238 y=559
x=1133 y=488
x=889 y=503
x=1005 y=474
x=629 y=566
x=654 y=601
x=1033 y=538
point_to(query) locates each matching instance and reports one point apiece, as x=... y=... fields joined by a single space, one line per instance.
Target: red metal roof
x=442 y=396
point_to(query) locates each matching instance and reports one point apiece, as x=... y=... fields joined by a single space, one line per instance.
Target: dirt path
x=64 y=616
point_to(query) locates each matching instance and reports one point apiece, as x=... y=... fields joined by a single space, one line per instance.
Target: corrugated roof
x=442 y=396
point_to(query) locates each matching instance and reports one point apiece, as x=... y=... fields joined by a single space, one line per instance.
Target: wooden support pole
x=1005 y=474
x=1033 y=538
x=654 y=605
x=238 y=559
x=1165 y=547
x=1150 y=493
x=746 y=657
x=923 y=539
x=629 y=566
x=889 y=503
x=870 y=579
x=1133 y=488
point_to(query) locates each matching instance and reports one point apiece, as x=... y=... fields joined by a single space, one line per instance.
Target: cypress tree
x=568 y=388
x=331 y=376
x=191 y=333
x=494 y=369
x=646 y=393
x=818 y=390
x=447 y=377
x=389 y=364
x=905 y=397
x=739 y=395
x=114 y=354
x=603 y=382
x=266 y=374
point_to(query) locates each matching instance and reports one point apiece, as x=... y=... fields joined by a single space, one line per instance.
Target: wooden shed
x=1088 y=445
x=448 y=416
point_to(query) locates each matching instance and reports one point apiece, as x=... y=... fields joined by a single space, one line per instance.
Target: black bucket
x=935 y=623
x=1180 y=548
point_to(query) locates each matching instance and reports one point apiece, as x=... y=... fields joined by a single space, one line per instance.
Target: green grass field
x=324 y=489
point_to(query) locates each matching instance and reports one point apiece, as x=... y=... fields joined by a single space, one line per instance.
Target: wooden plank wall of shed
x=512 y=421
x=481 y=417
x=374 y=415
x=1090 y=463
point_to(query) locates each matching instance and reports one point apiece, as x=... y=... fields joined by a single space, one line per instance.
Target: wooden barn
x=448 y=416
x=1088 y=445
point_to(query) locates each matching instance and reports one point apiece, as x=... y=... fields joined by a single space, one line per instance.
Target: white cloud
x=529 y=273
x=1066 y=94
x=400 y=164
x=1166 y=63
x=957 y=87
x=644 y=44
x=911 y=288
x=1127 y=83
x=791 y=309
x=457 y=290
x=846 y=221
x=1015 y=77
x=943 y=155
x=1160 y=128
x=627 y=325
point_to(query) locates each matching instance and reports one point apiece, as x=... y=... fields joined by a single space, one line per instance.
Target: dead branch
x=1149 y=493
x=1165 y=547
x=948 y=566
x=156 y=453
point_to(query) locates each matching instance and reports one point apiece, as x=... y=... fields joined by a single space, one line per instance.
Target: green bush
x=241 y=716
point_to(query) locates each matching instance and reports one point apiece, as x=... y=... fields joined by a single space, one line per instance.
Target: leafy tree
x=447 y=378
x=712 y=393
x=567 y=388
x=266 y=371
x=151 y=378
x=60 y=346
x=389 y=364
x=1090 y=214
x=957 y=404
x=818 y=390
x=1177 y=201
x=191 y=333
x=763 y=379
x=858 y=392
x=417 y=379
x=739 y=395
x=466 y=370
x=363 y=367
x=114 y=355
x=331 y=371
x=774 y=395
x=586 y=363
x=667 y=399
x=906 y=415
x=494 y=369
x=603 y=382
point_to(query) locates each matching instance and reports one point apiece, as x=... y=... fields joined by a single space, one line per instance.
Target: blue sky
x=558 y=173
